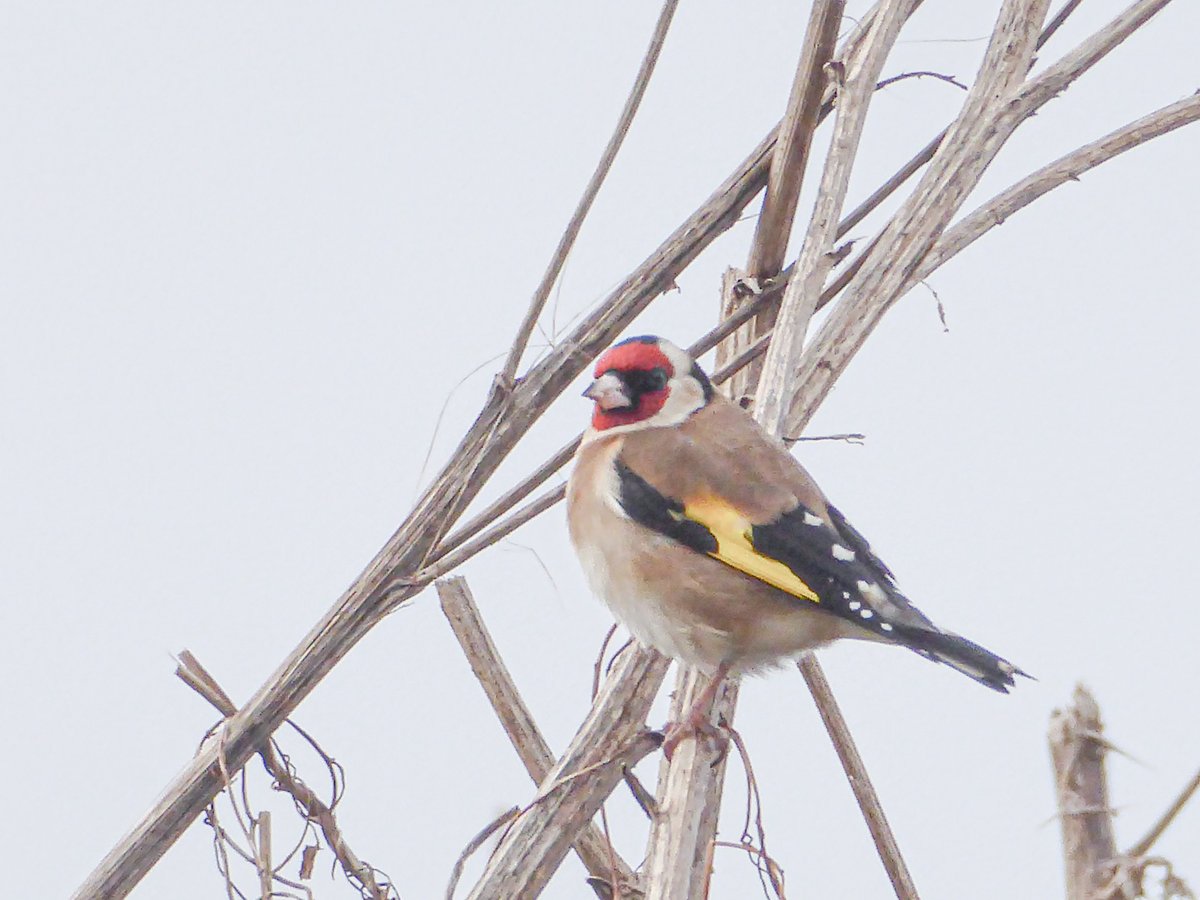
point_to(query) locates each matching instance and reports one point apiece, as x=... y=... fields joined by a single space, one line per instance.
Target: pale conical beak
x=609 y=392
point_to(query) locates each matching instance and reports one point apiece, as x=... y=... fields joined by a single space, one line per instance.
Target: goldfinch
x=710 y=542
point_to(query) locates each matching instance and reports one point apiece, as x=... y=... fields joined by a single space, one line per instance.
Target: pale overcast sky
x=250 y=252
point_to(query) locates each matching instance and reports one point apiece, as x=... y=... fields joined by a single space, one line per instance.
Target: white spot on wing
x=845 y=554
x=872 y=593
x=885 y=626
x=867 y=614
x=854 y=604
x=810 y=519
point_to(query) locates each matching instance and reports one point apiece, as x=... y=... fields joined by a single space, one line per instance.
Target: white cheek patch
x=685 y=398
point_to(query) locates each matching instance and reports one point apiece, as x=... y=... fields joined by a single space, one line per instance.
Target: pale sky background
x=247 y=253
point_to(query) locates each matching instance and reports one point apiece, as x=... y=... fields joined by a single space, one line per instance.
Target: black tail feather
x=966 y=656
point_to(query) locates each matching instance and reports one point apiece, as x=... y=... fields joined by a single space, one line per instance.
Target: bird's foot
x=694 y=725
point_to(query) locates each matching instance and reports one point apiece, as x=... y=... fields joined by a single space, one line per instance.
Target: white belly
x=643 y=615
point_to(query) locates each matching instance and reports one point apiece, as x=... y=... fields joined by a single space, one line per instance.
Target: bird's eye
x=656 y=379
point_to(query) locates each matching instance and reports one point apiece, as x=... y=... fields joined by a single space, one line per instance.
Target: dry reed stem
x=790 y=159
x=857 y=78
x=998 y=102
x=1082 y=794
x=679 y=851
x=611 y=739
x=462 y=613
x=1093 y=868
x=262 y=858
x=857 y=776
x=1067 y=168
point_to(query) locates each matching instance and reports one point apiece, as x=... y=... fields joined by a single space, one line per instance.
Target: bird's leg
x=695 y=721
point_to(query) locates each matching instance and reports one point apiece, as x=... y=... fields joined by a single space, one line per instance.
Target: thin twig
x=852 y=437
x=1142 y=847
x=766 y=865
x=475 y=843
x=1057 y=21
x=925 y=154
x=262 y=856
x=598 y=665
x=641 y=795
x=860 y=781
x=358 y=872
x=924 y=73
x=1067 y=168
x=525 y=330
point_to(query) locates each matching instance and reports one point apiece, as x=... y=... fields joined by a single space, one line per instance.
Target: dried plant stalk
x=998 y=102
x=1077 y=750
x=593 y=849
x=611 y=739
x=857 y=78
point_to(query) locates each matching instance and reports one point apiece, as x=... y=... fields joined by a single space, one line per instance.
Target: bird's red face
x=632 y=383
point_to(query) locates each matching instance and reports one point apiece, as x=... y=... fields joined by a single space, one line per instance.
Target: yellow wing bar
x=732 y=532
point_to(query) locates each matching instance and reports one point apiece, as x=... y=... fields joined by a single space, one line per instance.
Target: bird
x=710 y=543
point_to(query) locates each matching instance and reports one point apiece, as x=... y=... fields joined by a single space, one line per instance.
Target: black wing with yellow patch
x=827 y=563
x=799 y=553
